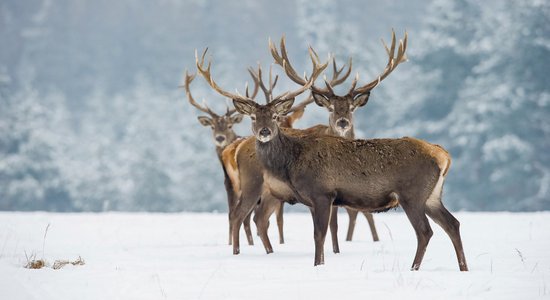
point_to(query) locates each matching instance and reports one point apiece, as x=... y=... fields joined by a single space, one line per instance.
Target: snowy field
x=185 y=256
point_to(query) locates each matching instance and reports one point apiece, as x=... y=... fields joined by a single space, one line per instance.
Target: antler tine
x=230 y=111
x=280 y=60
x=258 y=78
x=393 y=62
x=208 y=77
x=336 y=80
x=329 y=86
x=255 y=91
x=272 y=83
x=188 y=80
x=318 y=68
x=301 y=105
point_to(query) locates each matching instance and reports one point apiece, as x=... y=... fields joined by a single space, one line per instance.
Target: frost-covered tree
x=33 y=134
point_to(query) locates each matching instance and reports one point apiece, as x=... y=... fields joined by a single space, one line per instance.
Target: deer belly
x=370 y=199
x=278 y=188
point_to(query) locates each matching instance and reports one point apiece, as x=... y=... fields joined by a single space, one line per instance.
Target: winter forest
x=92 y=119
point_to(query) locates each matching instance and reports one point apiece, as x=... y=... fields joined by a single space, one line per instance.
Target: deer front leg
x=280 y=221
x=238 y=215
x=321 y=217
x=334 y=229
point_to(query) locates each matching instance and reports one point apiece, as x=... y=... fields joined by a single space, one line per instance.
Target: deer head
x=341 y=108
x=221 y=125
x=276 y=107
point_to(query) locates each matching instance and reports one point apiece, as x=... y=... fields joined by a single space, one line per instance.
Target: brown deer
x=341 y=109
x=270 y=203
x=244 y=170
x=223 y=135
x=374 y=175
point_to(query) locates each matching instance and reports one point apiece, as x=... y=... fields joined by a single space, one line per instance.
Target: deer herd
x=324 y=166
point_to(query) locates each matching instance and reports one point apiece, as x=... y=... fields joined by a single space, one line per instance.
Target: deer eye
x=253 y=117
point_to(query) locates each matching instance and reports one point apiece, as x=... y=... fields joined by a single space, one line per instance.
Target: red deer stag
x=341 y=108
x=270 y=203
x=374 y=175
x=223 y=135
x=242 y=166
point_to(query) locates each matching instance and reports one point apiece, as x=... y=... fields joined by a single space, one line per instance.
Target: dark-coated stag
x=243 y=169
x=341 y=108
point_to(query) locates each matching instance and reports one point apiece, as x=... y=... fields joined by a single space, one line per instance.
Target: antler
x=393 y=62
x=280 y=59
x=258 y=79
x=188 y=80
x=208 y=77
x=317 y=70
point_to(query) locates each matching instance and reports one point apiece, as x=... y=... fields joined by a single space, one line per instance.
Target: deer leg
x=321 y=217
x=334 y=229
x=352 y=213
x=437 y=212
x=279 y=213
x=247 y=230
x=421 y=225
x=238 y=215
x=262 y=213
x=373 y=231
x=230 y=229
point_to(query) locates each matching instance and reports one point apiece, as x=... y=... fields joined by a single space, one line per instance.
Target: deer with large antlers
x=269 y=203
x=223 y=135
x=241 y=163
x=374 y=175
x=341 y=108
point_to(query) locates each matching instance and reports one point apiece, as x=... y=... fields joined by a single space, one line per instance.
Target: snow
x=185 y=256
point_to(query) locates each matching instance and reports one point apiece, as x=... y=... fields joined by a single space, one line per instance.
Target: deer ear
x=320 y=100
x=361 y=100
x=282 y=106
x=205 y=121
x=244 y=107
x=236 y=118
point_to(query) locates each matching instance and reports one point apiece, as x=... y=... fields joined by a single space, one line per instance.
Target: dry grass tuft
x=33 y=263
x=58 y=264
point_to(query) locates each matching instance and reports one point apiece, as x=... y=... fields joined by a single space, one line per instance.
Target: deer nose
x=265 y=131
x=220 y=138
x=342 y=123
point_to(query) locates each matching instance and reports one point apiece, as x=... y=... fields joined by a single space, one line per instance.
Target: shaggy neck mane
x=279 y=154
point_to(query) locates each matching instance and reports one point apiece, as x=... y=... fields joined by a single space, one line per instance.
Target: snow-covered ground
x=185 y=256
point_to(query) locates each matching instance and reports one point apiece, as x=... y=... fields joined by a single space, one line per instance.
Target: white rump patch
x=434 y=200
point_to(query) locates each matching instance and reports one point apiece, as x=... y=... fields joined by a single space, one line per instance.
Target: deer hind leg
x=352 y=213
x=230 y=228
x=247 y=230
x=334 y=229
x=417 y=216
x=280 y=221
x=372 y=227
x=437 y=212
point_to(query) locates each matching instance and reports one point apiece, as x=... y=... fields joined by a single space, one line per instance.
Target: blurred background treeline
x=91 y=118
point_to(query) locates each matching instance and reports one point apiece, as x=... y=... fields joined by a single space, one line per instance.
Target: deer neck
x=350 y=134
x=231 y=137
x=279 y=154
